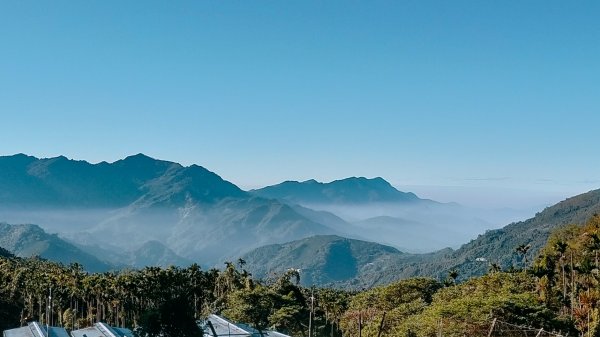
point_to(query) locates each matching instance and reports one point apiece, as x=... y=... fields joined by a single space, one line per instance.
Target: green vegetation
x=559 y=292
x=568 y=274
x=158 y=301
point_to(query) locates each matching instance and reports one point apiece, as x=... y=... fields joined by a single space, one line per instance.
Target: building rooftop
x=102 y=330
x=225 y=328
x=35 y=329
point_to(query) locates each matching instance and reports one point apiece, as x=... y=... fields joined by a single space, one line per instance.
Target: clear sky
x=475 y=94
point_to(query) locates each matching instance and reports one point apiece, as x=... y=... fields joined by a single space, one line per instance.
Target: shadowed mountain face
x=346 y=191
x=325 y=259
x=5 y=253
x=190 y=210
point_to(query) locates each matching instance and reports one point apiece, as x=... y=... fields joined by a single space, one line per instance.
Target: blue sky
x=474 y=94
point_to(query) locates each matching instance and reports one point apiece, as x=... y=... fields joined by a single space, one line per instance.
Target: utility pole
x=48 y=312
x=51 y=308
x=195 y=300
x=310 y=315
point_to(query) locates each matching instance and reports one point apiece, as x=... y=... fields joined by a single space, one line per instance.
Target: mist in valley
x=418 y=227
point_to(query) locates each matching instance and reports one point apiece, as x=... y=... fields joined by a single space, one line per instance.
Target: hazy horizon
x=484 y=194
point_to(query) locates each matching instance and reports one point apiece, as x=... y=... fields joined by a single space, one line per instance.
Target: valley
x=353 y=232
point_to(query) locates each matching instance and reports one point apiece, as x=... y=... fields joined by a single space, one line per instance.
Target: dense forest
x=558 y=291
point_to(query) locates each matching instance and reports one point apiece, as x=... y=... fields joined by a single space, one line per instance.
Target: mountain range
x=125 y=204
x=351 y=232
x=349 y=191
x=198 y=216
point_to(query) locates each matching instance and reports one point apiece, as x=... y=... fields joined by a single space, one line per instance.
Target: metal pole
x=310 y=314
x=195 y=301
x=48 y=313
x=51 y=307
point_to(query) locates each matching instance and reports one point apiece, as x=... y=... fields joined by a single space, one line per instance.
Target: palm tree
x=561 y=248
x=522 y=250
x=495 y=268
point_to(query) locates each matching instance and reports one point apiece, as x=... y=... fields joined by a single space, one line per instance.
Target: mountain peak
x=364 y=180
x=19 y=155
x=139 y=156
x=352 y=190
x=310 y=181
x=59 y=181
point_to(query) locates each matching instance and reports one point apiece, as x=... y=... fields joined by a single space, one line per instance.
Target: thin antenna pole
x=51 y=309
x=310 y=314
x=49 y=313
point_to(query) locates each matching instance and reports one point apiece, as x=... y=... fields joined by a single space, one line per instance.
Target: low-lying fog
x=416 y=228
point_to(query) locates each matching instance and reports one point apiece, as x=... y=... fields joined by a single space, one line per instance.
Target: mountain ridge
x=350 y=190
x=59 y=181
x=189 y=209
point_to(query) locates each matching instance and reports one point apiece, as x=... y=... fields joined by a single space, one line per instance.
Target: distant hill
x=31 y=240
x=345 y=191
x=191 y=211
x=328 y=260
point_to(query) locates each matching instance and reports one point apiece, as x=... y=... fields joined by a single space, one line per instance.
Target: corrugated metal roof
x=225 y=328
x=18 y=332
x=58 y=332
x=123 y=332
x=102 y=330
x=87 y=332
x=35 y=329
